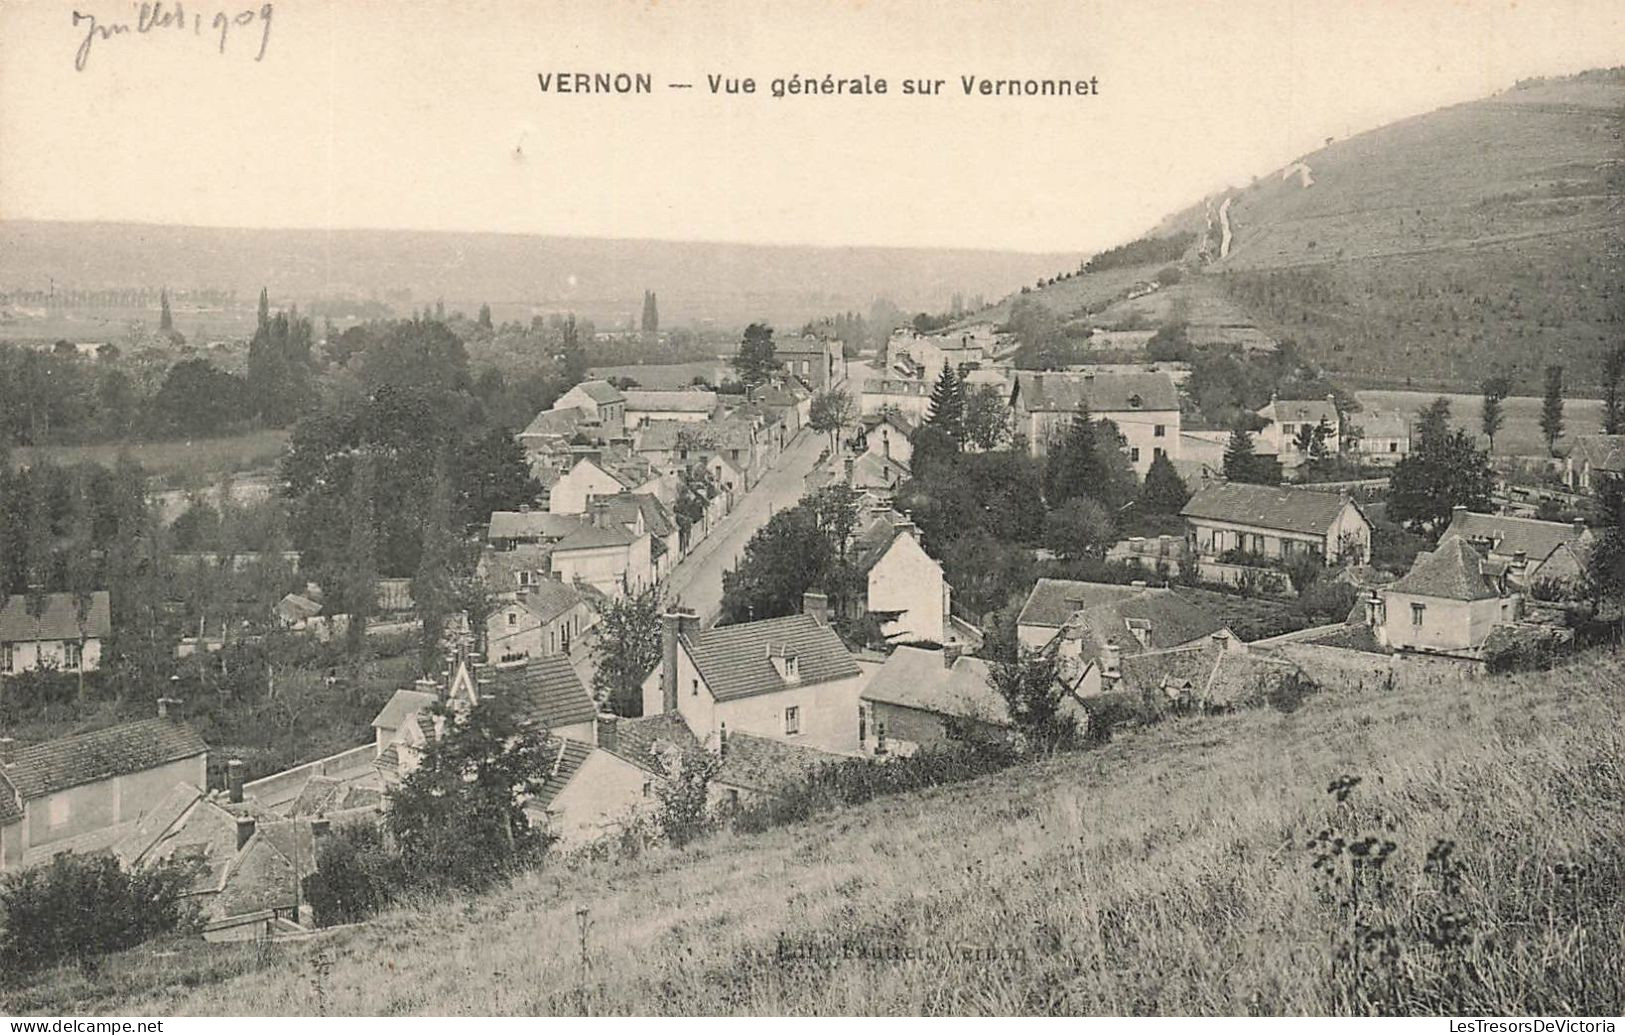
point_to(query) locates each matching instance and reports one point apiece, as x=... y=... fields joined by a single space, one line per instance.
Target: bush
x=682 y=814
x=357 y=875
x=82 y=907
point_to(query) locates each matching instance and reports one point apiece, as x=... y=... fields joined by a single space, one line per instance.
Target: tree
x=1080 y=527
x=458 y=818
x=492 y=474
x=264 y=310
x=947 y=410
x=166 y=322
x=987 y=417
x=572 y=357
x=361 y=568
x=831 y=412
x=650 y=323
x=1433 y=424
x=1164 y=491
x=1242 y=464
x=1071 y=466
x=797 y=550
x=1613 y=390
x=1492 y=417
x=279 y=369
x=683 y=812
x=432 y=591
x=626 y=651
x=196 y=399
x=484 y=319
x=696 y=488
x=1440 y=475
x=1035 y=698
x=754 y=361
x=1551 y=408
x=1605 y=568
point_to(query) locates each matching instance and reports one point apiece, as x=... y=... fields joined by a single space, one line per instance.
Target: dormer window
x=1141 y=630
x=785 y=663
x=1135 y=402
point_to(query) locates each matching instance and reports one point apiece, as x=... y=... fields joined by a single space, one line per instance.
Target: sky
x=415 y=115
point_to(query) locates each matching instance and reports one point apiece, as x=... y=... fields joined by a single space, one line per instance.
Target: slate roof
x=1052 y=601
x=403 y=704
x=323 y=795
x=133 y=747
x=557 y=423
x=1301 y=411
x=591 y=537
x=914 y=677
x=296 y=607
x=1605 y=452
x=872 y=471
x=1062 y=392
x=1454 y=571
x=550 y=598
x=872 y=543
x=733 y=659
x=1377 y=424
x=642 y=741
x=11 y=806
x=1272 y=507
x=531 y=524
x=568 y=758
x=688 y=401
x=1211 y=673
x=543 y=690
x=1509 y=535
x=600 y=391
x=623 y=508
x=59 y=620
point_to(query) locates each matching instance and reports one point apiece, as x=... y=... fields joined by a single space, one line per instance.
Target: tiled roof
x=1603 y=452
x=600 y=392
x=1377 y=424
x=591 y=537
x=1053 y=601
x=1211 y=673
x=550 y=598
x=874 y=541
x=763 y=764
x=1454 y=571
x=643 y=741
x=388 y=759
x=133 y=747
x=557 y=423
x=871 y=471
x=324 y=795
x=1105 y=393
x=58 y=621
x=543 y=690
x=11 y=807
x=689 y=401
x=296 y=607
x=624 y=507
x=1272 y=507
x=531 y=524
x=733 y=659
x=1299 y=411
x=568 y=756
x=404 y=703
x=1511 y=535
x=914 y=677
x=1163 y=617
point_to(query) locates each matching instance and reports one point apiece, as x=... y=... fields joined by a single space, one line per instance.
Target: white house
x=588 y=479
x=1594 y=456
x=688 y=406
x=547 y=617
x=612 y=560
x=1276 y=523
x=890 y=437
x=1143 y=406
x=788 y=679
x=910 y=398
x=57 y=631
x=1287 y=418
x=903 y=584
x=1446 y=602
x=1384 y=438
x=602 y=400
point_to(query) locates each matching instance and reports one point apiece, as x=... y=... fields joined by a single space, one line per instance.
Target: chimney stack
x=847 y=466
x=245 y=830
x=816 y=603
x=673 y=624
x=951 y=653
x=234 y=780
x=165 y=704
x=606 y=732
x=1110 y=657
x=320 y=827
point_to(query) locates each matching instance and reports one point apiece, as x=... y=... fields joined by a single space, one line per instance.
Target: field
x=1170 y=871
x=177 y=463
x=1520 y=436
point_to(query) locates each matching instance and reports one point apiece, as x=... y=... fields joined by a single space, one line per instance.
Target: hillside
x=1168 y=872
x=603 y=280
x=1430 y=252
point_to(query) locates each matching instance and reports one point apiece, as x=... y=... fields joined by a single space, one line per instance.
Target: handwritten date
x=151 y=18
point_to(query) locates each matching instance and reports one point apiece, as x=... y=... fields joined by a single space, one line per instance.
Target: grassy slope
x=1165 y=872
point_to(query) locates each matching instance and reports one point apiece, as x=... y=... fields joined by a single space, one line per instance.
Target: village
x=661 y=599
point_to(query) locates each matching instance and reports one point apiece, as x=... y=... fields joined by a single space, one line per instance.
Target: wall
x=285 y=786
x=569 y=494
x=1350 y=525
x=1215 y=537
x=1138 y=428
x=605 y=792
x=28 y=655
x=604 y=567
x=1446 y=624
x=105 y=803
x=1035 y=637
x=829 y=714
x=908 y=730
x=907 y=579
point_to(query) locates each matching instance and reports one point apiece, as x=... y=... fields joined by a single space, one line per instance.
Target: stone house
x=547 y=617
x=64 y=634
x=1286 y=418
x=1449 y=601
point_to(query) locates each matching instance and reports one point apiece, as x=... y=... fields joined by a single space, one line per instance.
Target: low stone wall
x=285 y=786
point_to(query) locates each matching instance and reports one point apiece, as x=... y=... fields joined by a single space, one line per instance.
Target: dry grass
x=1164 y=873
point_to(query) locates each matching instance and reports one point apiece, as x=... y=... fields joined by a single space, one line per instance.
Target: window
x=648 y=787
x=1393 y=447
x=1134 y=454
x=1160 y=431
x=7 y=659
x=72 y=655
x=792 y=720
x=1158 y=451
x=1417 y=610
x=696 y=690
x=513 y=619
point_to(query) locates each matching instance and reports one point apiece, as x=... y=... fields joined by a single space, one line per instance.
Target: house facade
x=904 y=585
x=1143 y=406
x=920 y=697
x=819 y=362
x=601 y=401
x=65 y=794
x=586 y=480
x=1593 y=457
x=1530 y=550
x=547 y=617
x=58 y=631
x=1384 y=438
x=613 y=561
x=1286 y=420
x=685 y=406
x=1276 y=524
x=1447 y=602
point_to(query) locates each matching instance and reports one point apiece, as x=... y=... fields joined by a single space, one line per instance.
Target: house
x=1276 y=523
x=1525 y=546
x=591 y=789
x=79 y=793
x=552 y=430
x=819 y=362
x=1384 y=438
x=250 y=863
x=1449 y=601
x=688 y=406
x=903 y=585
x=920 y=695
x=926 y=354
x=871 y=472
x=593 y=477
x=788 y=679
x=601 y=401
x=1092 y=626
x=60 y=631
x=509 y=529
x=642 y=513
x=547 y=617
x=1593 y=457
x=1215 y=673
x=295 y=610
x=889 y=436
x=505 y=572
x=1144 y=406
x=1287 y=419
x=911 y=398
x=612 y=560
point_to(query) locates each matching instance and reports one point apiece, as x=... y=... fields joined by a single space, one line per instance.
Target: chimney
x=848 y=468
x=524 y=508
x=245 y=830
x=1579 y=527
x=816 y=603
x=951 y=653
x=234 y=780
x=1460 y=508
x=1109 y=658
x=673 y=624
x=1222 y=638
x=165 y=704
x=320 y=827
x=606 y=732
x=1520 y=559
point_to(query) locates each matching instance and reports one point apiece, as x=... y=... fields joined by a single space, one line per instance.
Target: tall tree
x=1433 y=424
x=755 y=361
x=1071 y=466
x=1551 y=408
x=572 y=357
x=987 y=417
x=1080 y=527
x=264 y=310
x=166 y=321
x=626 y=650
x=1164 y=491
x=650 y=323
x=1492 y=417
x=831 y=412
x=1243 y=464
x=947 y=409
x=1035 y=699
x=1440 y=475
x=1613 y=390
x=484 y=319
x=361 y=566
x=433 y=592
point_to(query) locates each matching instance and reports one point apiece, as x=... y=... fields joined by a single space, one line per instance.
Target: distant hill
x=603 y=280
x=1487 y=236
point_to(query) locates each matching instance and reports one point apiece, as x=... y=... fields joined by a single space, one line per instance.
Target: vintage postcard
x=828 y=508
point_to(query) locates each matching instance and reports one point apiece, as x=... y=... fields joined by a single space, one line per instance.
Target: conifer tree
x=265 y=309
x=166 y=321
x=1551 y=409
x=947 y=412
x=1164 y=491
x=1241 y=463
